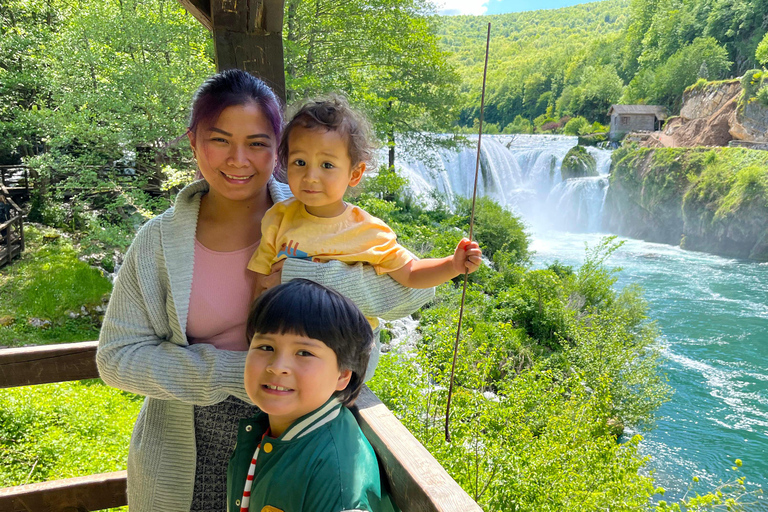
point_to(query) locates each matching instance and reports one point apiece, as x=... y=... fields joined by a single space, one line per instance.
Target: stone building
x=635 y=118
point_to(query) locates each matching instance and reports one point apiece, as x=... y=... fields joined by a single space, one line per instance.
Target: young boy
x=305 y=452
x=324 y=149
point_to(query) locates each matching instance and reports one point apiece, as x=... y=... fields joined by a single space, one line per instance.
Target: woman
x=175 y=327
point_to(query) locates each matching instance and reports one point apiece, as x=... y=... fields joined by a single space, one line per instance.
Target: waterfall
x=522 y=173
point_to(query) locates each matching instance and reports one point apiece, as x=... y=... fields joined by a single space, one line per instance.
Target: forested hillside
x=577 y=61
x=534 y=56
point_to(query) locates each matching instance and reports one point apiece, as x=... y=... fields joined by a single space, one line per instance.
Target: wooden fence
x=15 y=178
x=11 y=231
x=418 y=482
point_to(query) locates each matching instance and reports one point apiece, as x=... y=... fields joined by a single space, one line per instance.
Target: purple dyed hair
x=230 y=88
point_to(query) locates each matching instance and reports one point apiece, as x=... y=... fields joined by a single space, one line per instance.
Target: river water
x=712 y=312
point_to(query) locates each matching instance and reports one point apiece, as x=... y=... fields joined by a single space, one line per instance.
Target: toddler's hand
x=467 y=257
x=275 y=278
x=264 y=283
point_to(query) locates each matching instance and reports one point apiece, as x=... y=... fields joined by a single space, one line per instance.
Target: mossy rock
x=578 y=164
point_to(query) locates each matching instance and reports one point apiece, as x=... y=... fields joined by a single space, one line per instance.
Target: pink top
x=221 y=297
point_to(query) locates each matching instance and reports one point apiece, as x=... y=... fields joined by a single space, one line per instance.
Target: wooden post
x=247 y=34
x=21 y=233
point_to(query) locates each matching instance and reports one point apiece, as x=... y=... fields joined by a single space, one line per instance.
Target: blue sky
x=478 y=7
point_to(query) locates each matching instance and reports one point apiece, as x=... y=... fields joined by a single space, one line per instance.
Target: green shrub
x=519 y=125
x=762 y=95
x=750 y=184
x=548 y=367
x=750 y=83
x=761 y=53
x=576 y=126
x=496 y=229
x=386 y=184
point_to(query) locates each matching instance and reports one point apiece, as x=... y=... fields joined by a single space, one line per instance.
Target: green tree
x=576 y=126
x=599 y=88
x=681 y=70
x=519 y=125
x=87 y=84
x=761 y=54
x=26 y=29
x=383 y=54
x=122 y=74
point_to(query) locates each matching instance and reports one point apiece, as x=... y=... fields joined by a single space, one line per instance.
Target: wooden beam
x=247 y=34
x=81 y=494
x=418 y=482
x=201 y=10
x=45 y=364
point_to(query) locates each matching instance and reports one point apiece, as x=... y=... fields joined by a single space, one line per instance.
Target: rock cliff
x=751 y=124
x=712 y=200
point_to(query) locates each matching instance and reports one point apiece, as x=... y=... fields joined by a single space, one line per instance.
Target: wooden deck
x=418 y=482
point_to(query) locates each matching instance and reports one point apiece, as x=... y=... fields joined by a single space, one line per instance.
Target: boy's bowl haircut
x=306 y=308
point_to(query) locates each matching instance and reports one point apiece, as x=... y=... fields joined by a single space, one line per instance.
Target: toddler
x=324 y=149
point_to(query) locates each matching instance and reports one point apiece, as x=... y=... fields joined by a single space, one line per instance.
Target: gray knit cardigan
x=143 y=345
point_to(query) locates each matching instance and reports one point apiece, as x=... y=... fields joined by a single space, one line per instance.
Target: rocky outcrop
x=712 y=200
x=713 y=130
x=578 y=163
x=751 y=124
x=701 y=102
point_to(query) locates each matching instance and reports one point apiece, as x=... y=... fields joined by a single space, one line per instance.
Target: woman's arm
x=134 y=353
x=376 y=295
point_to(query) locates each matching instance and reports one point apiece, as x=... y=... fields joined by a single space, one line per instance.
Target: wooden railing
x=418 y=482
x=15 y=177
x=11 y=231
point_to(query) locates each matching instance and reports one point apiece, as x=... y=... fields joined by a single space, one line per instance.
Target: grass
x=67 y=429
x=48 y=283
x=64 y=430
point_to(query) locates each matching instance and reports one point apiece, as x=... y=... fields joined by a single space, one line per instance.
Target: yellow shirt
x=288 y=231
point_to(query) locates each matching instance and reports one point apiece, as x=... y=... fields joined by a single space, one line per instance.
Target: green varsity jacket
x=321 y=463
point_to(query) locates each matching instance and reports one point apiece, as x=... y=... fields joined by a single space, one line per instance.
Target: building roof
x=658 y=110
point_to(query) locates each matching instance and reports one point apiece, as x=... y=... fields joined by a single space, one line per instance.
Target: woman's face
x=236 y=154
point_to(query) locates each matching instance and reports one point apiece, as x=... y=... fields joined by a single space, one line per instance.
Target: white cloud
x=455 y=7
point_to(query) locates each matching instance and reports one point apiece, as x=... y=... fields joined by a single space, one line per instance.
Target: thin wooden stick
x=471 y=228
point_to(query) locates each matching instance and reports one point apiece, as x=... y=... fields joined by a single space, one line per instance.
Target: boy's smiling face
x=290 y=375
x=320 y=169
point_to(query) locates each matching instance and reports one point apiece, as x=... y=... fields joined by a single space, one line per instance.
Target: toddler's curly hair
x=333 y=113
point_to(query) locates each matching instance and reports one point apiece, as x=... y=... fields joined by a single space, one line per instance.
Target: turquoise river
x=712 y=312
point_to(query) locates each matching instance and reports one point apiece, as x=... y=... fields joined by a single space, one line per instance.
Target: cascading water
x=520 y=172
x=712 y=312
